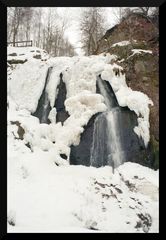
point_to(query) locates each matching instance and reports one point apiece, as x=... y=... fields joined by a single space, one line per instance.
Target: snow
x=28 y=53
x=27 y=84
x=85 y=102
x=122 y=43
x=139 y=51
x=21 y=58
x=61 y=64
x=77 y=198
x=45 y=193
x=26 y=92
x=52 y=115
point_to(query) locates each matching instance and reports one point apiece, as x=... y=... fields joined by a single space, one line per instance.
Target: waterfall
x=116 y=154
x=106 y=146
x=109 y=138
x=46 y=111
x=99 y=142
x=105 y=92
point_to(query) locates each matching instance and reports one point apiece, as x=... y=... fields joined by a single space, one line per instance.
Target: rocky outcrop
x=135 y=26
x=80 y=154
x=20 y=130
x=16 y=61
x=97 y=145
x=141 y=67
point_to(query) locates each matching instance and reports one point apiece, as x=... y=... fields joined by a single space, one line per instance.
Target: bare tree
x=27 y=18
x=37 y=25
x=39 y=17
x=143 y=10
x=92 y=28
x=118 y=13
x=15 y=15
x=9 y=22
x=45 y=26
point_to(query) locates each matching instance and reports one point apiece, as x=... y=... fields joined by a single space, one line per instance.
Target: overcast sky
x=74 y=14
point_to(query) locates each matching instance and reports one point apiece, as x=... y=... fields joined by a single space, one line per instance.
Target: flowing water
x=106 y=147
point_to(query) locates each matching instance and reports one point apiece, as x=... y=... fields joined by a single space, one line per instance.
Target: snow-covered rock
x=139 y=51
x=26 y=53
x=45 y=193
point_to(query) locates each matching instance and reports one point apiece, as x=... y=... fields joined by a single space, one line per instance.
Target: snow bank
x=27 y=83
x=78 y=198
x=81 y=108
x=85 y=102
x=26 y=53
x=81 y=74
x=59 y=66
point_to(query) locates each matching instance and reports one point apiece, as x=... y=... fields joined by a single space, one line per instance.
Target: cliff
x=135 y=43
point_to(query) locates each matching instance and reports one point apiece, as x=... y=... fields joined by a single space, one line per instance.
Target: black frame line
x=3 y=101
x=83 y=3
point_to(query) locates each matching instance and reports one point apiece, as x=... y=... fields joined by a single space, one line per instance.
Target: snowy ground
x=45 y=193
x=44 y=197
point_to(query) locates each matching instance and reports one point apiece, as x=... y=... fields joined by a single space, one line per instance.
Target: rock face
x=134 y=26
x=44 y=107
x=142 y=74
x=16 y=61
x=98 y=146
x=141 y=69
x=12 y=54
x=37 y=56
x=20 y=130
x=80 y=155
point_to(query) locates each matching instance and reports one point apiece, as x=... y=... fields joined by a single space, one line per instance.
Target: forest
x=47 y=27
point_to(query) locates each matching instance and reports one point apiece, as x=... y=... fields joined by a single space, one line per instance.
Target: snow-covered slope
x=43 y=197
x=45 y=193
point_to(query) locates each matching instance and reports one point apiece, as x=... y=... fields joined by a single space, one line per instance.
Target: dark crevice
x=43 y=108
x=62 y=155
x=62 y=114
